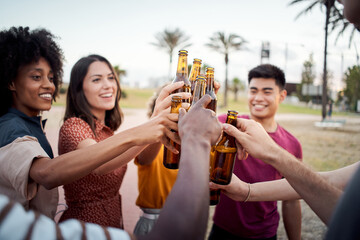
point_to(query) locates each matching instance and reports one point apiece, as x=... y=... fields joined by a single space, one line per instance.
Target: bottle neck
x=195 y=71
x=209 y=82
x=175 y=106
x=199 y=91
x=182 y=68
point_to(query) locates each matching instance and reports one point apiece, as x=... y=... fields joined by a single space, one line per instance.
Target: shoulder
x=75 y=130
x=286 y=134
x=288 y=141
x=12 y=127
x=75 y=124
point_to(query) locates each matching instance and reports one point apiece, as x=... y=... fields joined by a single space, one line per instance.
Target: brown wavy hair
x=76 y=102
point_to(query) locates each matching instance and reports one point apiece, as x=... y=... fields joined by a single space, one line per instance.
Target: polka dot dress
x=93 y=198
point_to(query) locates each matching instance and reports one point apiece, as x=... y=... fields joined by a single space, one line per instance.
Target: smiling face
x=33 y=88
x=264 y=97
x=100 y=88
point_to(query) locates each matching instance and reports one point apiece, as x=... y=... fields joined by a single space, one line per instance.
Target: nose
x=48 y=83
x=107 y=83
x=258 y=97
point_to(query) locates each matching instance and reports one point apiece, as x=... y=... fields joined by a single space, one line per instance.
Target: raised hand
x=236 y=189
x=253 y=138
x=199 y=122
x=163 y=101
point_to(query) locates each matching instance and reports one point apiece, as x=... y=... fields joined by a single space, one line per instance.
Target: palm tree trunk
x=170 y=65
x=226 y=79
x=324 y=88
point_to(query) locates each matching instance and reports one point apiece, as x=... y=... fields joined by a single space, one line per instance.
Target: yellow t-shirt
x=154 y=182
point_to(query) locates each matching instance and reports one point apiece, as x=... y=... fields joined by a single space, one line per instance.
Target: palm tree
x=331 y=13
x=237 y=85
x=170 y=39
x=224 y=44
x=119 y=72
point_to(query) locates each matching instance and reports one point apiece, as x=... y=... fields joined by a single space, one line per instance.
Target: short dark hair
x=18 y=47
x=76 y=103
x=268 y=71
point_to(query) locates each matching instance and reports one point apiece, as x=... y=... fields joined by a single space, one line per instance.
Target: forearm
x=340 y=177
x=272 y=191
x=119 y=161
x=314 y=189
x=76 y=164
x=282 y=190
x=149 y=153
x=292 y=219
x=190 y=195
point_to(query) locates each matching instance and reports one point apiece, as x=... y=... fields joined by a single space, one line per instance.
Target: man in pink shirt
x=260 y=220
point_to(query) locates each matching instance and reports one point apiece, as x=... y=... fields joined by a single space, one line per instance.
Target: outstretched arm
x=314 y=189
x=185 y=212
x=71 y=166
x=281 y=190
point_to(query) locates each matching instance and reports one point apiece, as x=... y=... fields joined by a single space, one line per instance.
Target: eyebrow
x=99 y=75
x=266 y=88
x=39 y=69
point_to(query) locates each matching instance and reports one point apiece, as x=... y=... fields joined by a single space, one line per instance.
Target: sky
x=123 y=30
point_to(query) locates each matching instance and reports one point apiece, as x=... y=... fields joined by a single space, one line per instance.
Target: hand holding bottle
x=199 y=123
x=253 y=138
x=163 y=101
x=236 y=189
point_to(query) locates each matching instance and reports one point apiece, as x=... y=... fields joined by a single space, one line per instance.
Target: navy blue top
x=16 y=124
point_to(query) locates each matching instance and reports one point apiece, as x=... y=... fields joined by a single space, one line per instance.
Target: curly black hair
x=18 y=47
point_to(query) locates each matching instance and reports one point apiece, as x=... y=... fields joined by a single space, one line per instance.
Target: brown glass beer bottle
x=199 y=89
x=214 y=193
x=182 y=74
x=171 y=160
x=224 y=155
x=195 y=71
x=210 y=88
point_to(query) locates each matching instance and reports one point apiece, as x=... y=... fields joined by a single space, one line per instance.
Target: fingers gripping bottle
x=224 y=153
x=170 y=159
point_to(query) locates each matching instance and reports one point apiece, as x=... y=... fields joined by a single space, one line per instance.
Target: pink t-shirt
x=254 y=219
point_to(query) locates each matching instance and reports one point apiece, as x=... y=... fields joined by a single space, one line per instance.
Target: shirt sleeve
x=16 y=223
x=73 y=131
x=16 y=159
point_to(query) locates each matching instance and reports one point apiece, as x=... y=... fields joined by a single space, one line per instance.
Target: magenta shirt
x=254 y=219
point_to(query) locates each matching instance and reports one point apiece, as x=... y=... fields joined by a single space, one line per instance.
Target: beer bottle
x=199 y=89
x=171 y=160
x=210 y=88
x=214 y=193
x=195 y=71
x=182 y=73
x=224 y=155
x=214 y=196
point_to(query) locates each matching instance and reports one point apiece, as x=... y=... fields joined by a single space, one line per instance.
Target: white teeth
x=259 y=106
x=106 y=95
x=45 y=95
